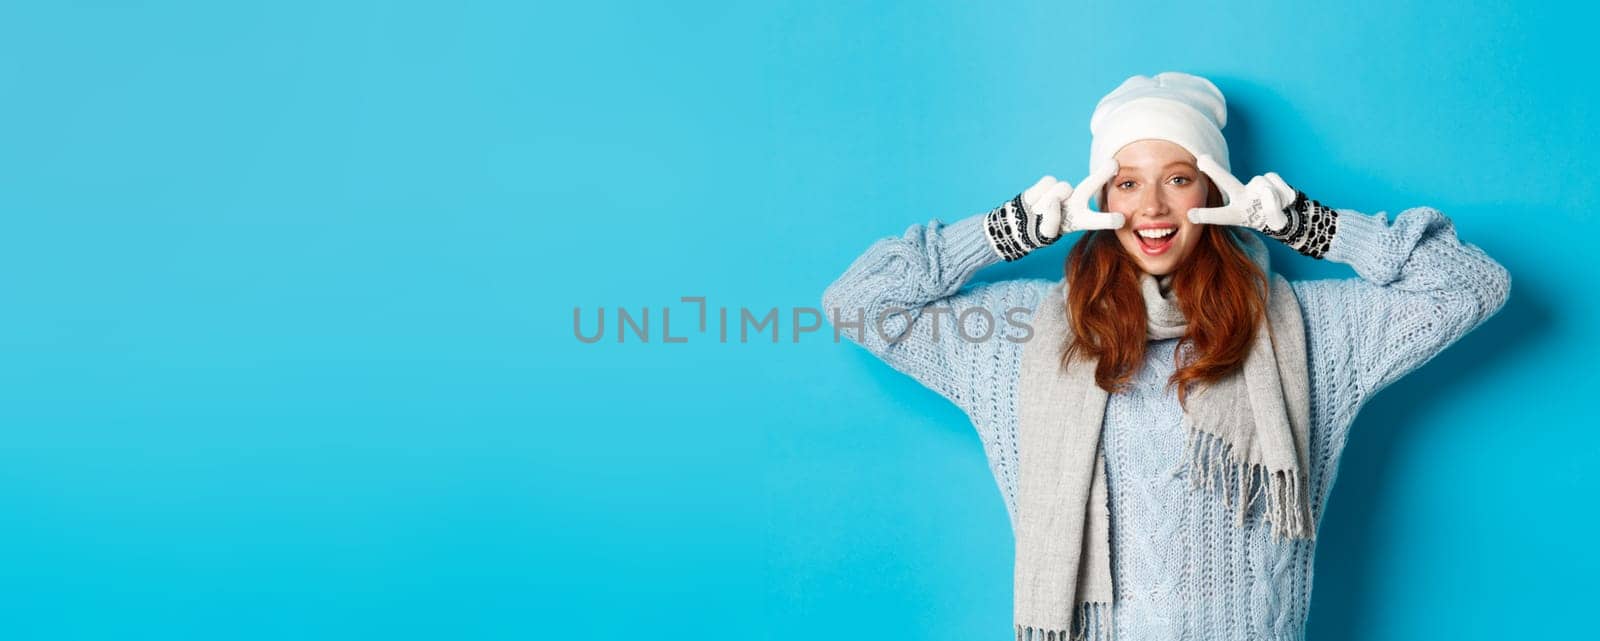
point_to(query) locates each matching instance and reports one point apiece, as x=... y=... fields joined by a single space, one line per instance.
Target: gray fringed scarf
x=1254 y=420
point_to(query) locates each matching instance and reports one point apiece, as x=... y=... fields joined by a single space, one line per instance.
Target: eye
x=1125 y=182
x=1185 y=179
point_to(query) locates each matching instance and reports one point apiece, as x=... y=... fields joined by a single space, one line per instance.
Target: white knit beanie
x=1184 y=109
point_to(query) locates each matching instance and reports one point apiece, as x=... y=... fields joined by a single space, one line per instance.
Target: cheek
x=1191 y=236
x=1112 y=201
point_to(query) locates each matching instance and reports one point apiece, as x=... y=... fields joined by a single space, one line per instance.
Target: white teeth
x=1157 y=233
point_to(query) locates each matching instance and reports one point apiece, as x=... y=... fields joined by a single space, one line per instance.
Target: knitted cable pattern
x=1182 y=568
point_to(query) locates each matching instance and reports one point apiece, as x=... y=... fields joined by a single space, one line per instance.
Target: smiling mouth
x=1155 y=241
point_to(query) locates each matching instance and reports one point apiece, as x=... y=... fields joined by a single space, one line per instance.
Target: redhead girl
x=1165 y=421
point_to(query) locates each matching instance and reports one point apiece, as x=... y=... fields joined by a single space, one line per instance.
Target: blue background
x=287 y=295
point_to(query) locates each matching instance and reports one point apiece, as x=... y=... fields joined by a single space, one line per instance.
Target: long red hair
x=1220 y=290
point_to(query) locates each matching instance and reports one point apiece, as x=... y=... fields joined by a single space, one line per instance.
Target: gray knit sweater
x=1182 y=569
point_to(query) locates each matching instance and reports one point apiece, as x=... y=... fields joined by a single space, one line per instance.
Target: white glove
x=1270 y=205
x=1045 y=212
x=1079 y=216
x=1258 y=205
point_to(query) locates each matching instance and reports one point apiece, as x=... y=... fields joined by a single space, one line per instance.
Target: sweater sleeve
x=959 y=336
x=1419 y=290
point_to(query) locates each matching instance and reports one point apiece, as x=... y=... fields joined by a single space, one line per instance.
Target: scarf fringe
x=1213 y=460
x=1092 y=621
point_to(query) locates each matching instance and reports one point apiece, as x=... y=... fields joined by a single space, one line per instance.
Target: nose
x=1150 y=202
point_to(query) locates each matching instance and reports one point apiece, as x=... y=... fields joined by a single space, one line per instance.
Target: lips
x=1157 y=239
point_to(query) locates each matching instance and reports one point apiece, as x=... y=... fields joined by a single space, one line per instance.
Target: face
x=1156 y=186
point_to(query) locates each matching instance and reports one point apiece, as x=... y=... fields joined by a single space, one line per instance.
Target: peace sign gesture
x=1045 y=212
x=1077 y=215
x=1258 y=205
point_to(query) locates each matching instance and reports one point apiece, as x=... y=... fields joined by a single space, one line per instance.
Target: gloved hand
x=1270 y=205
x=1045 y=212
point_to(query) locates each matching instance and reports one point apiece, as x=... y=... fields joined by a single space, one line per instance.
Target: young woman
x=1166 y=425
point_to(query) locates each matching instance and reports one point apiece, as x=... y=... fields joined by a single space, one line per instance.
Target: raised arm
x=919 y=279
x=1420 y=288
x=965 y=341
x=905 y=299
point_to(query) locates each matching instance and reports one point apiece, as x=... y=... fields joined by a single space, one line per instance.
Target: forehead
x=1153 y=155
